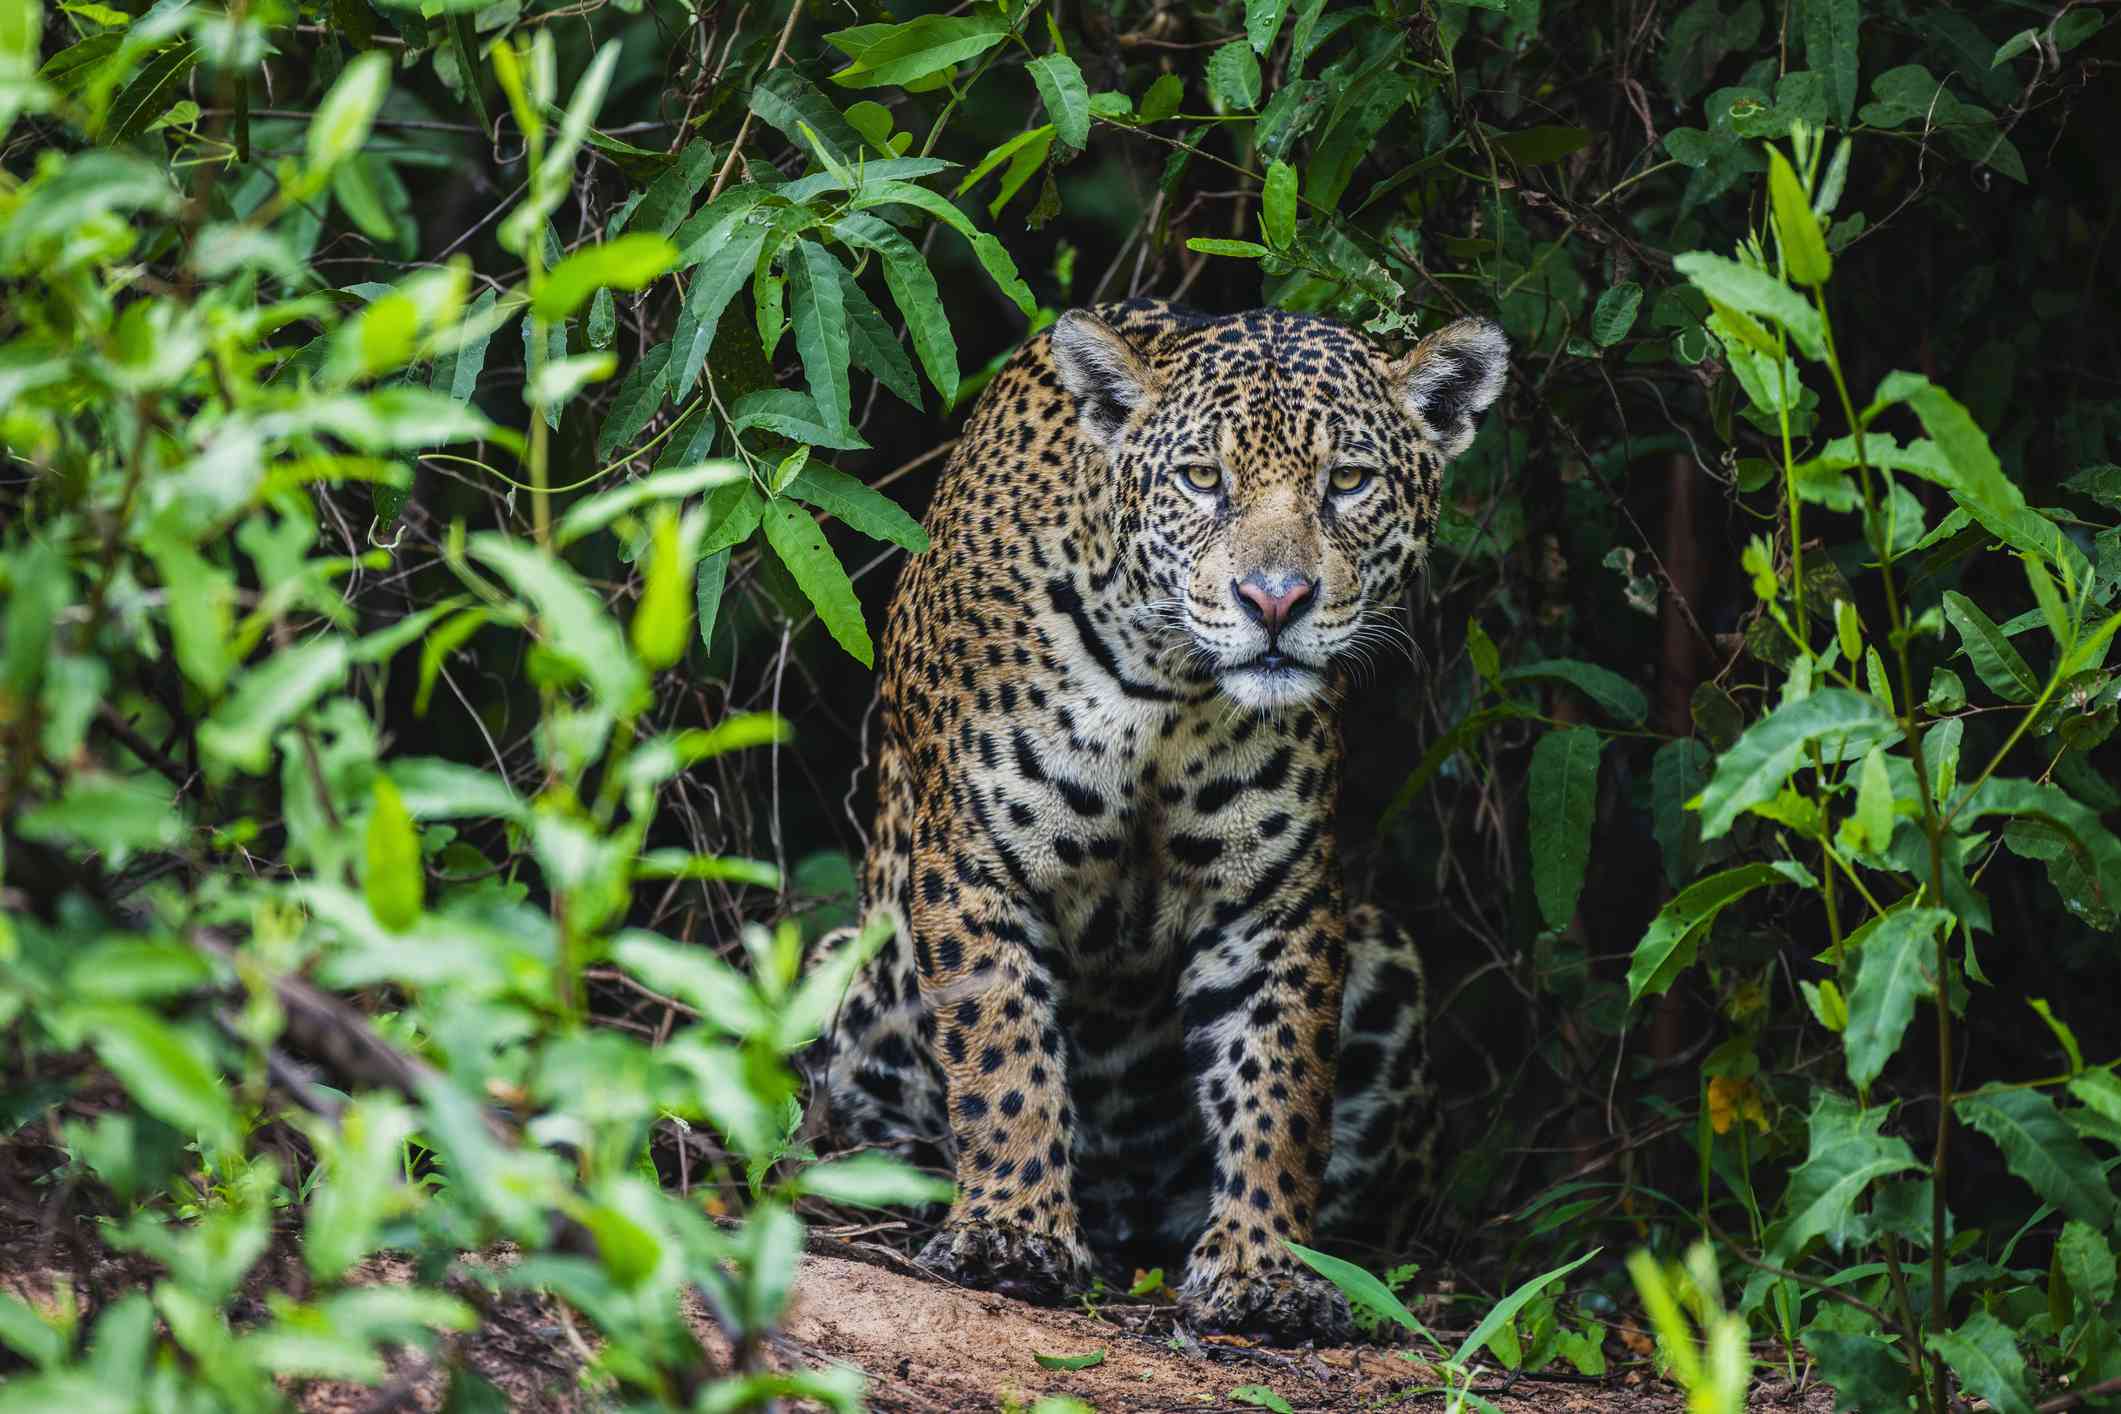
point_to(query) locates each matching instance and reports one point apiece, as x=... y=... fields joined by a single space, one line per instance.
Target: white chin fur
x=1264 y=690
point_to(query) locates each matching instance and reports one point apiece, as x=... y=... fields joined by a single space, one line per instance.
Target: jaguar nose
x=1277 y=602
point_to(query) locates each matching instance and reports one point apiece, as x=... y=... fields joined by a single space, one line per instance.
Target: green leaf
x=1898 y=967
x=914 y=291
x=1998 y=663
x=662 y=621
x=791 y=103
x=573 y=625
x=1239 y=250
x=2088 y=1262
x=107 y=812
x=873 y=346
x=1361 y=1288
x=1797 y=231
x=168 y=1072
x=1562 y=797
x=268 y=697
x=1667 y=946
x=869 y=511
x=1277 y=207
x=596 y=512
x=1866 y=1372
x=1831 y=50
x=1163 y=98
x=1537 y=146
x=627 y=263
x=1755 y=292
x=1263 y=22
x=1984 y=1355
x=906 y=53
x=1848 y=1153
x=795 y=537
x=725 y=998
x=1443 y=749
x=392 y=878
x=1505 y=1310
x=342 y=120
x=1615 y=313
x=714 y=284
x=431 y=788
x=2063 y=1033
x=818 y=312
x=874 y=1181
x=1620 y=698
x=1677 y=773
x=456 y=372
x=1760 y=762
x=1066 y=96
x=2039 y=1146
x=1070 y=1362
x=992 y=256
x=1233 y=76
x=714 y=578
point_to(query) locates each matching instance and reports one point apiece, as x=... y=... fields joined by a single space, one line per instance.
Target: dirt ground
x=927 y=1346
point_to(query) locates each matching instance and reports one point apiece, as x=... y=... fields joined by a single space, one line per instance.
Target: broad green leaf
x=1677 y=773
x=1898 y=967
x=573 y=623
x=1233 y=76
x=818 y=312
x=1562 y=797
x=1983 y=1353
x=392 y=876
x=723 y=996
x=1874 y=818
x=733 y=512
x=1866 y=1372
x=1614 y=314
x=913 y=291
x=713 y=579
x=169 y=1072
x=1361 y=1288
x=1831 y=50
x=1620 y=698
x=906 y=53
x=2017 y=798
x=869 y=511
x=1848 y=1154
x=456 y=371
x=1797 y=231
x=714 y=284
x=1998 y=663
x=873 y=346
x=1067 y=98
x=1085 y=1361
x=340 y=125
x=795 y=537
x=662 y=621
x=1756 y=292
x=627 y=263
x=791 y=103
x=105 y=812
x=267 y=697
x=1760 y=762
x=2088 y=1262
x=1667 y=946
x=792 y=415
x=556 y=170
x=669 y=197
x=2039 y=1146
x=199 y=599
x=1262 y=1397
x=558 y=380
x=1263 y=22
x=431 y=788
x=1162 y=98
x=598 y=511
x=1237 y=250
x=1277 y=205
x=993 y=257
x=873 y=1181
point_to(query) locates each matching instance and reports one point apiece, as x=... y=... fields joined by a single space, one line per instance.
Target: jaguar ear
x=1106 y=373
x=1450 y=378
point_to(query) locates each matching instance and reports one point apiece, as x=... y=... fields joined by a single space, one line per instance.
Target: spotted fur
x=1127 y=999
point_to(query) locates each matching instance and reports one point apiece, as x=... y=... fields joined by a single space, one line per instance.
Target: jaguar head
x=1273 y=480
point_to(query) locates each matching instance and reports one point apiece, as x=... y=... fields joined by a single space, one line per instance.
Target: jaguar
x=1126 y=1001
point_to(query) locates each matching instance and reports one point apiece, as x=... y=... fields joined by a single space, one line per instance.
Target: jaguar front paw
x=1282 y=1306
x=1030 y=1266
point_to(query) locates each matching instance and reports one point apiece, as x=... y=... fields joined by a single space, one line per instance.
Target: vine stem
x=743 y=129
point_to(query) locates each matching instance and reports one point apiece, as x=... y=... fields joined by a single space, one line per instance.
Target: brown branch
x=780 y=50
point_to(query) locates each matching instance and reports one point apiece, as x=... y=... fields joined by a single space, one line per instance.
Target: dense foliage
x=435 y=642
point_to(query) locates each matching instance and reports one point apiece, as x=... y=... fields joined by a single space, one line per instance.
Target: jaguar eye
x=1203 y=477
x=1347 y=480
